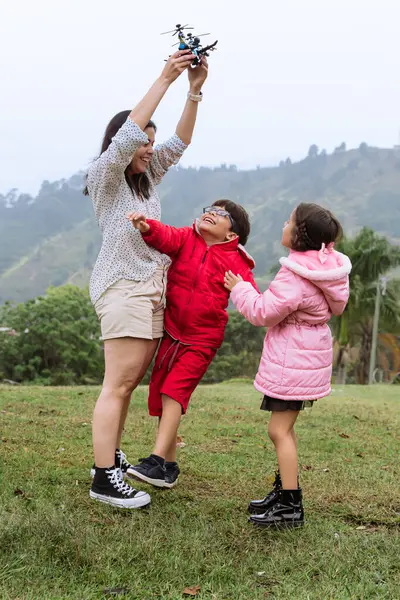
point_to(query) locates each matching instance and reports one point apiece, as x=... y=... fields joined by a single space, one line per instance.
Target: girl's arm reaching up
x=282 y=298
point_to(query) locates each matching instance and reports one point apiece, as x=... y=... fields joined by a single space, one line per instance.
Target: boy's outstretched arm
x=164 y=238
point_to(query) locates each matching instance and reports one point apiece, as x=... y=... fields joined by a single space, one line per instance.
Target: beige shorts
x=133 y=308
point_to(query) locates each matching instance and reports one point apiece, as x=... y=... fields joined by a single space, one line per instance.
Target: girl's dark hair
x=138 y=182
x=314 y=226
x=240 y=217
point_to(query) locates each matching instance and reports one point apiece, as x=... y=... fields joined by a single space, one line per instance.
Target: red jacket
x=196 y=296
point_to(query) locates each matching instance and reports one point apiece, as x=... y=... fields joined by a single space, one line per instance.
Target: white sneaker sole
x=171 y=485
x=141 y=500
x=160 y=483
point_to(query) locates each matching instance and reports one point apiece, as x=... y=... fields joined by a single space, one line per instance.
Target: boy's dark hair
x=138 y=182
x=315 y=226
x=240 y=217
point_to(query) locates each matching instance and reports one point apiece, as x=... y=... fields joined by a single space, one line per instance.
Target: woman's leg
x=122 y=420
x=151 y=346
x=281 y=432
x=125 y=361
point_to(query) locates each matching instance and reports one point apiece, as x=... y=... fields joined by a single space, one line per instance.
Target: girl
x=296 y=362
x=128 y=282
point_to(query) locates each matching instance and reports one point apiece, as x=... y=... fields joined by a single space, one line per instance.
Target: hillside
x=53 y=238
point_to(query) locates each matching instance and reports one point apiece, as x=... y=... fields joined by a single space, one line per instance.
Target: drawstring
x=171 y=362
x=175 y=344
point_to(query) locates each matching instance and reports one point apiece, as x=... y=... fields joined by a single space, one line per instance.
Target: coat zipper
x=193 y=287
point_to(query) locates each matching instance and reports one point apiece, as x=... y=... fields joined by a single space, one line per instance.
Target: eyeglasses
x=221 y=213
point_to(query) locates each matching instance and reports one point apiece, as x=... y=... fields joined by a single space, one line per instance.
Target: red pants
x=177 y=372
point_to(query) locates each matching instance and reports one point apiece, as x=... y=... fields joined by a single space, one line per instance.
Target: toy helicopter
x=188 y=41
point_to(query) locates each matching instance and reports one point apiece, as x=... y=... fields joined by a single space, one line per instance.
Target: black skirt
x=274 y=404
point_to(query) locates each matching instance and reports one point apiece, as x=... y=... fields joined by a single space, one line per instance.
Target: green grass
x=56 y=543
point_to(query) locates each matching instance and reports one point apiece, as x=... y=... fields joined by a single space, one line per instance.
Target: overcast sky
x=287 y=73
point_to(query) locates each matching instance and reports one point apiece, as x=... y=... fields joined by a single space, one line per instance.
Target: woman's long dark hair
x=138 y=182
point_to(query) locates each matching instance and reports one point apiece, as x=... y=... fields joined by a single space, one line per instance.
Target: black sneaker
x=120 y=461
x=171 y=474
x=149 y=470
x=109 y=487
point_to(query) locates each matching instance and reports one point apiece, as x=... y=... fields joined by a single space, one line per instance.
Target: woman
x=128 y=282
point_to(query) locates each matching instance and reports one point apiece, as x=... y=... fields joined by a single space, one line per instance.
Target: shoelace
x=115 y=478
x=122 y=459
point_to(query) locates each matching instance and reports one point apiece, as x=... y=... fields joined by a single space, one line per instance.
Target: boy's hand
x=138 y=220
x=230 y=280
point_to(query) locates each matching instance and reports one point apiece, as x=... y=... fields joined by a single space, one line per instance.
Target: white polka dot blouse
x=124 y=254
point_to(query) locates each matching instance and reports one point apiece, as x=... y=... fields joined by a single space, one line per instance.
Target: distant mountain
x=53 y=239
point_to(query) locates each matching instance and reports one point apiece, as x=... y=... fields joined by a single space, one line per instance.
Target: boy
x=195 y=318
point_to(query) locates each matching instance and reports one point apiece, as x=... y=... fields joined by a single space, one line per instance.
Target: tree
x=313 y=151
x=363 y=149
x=389 y=320
x=372 y=256
x=56 y=341
x=341 y=148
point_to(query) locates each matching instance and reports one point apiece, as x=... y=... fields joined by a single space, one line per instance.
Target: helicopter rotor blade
x=172 y=31
x=177 y=29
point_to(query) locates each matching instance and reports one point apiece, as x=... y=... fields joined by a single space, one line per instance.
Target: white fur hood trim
x=319 y=275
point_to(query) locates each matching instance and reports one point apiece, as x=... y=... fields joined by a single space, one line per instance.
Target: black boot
x=257 y=507
x=286 y=512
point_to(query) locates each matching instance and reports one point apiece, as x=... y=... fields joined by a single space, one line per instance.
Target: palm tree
x=389 y=320
x=372 y=256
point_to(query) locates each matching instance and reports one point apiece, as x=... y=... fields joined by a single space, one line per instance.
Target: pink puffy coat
x=296 y=362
